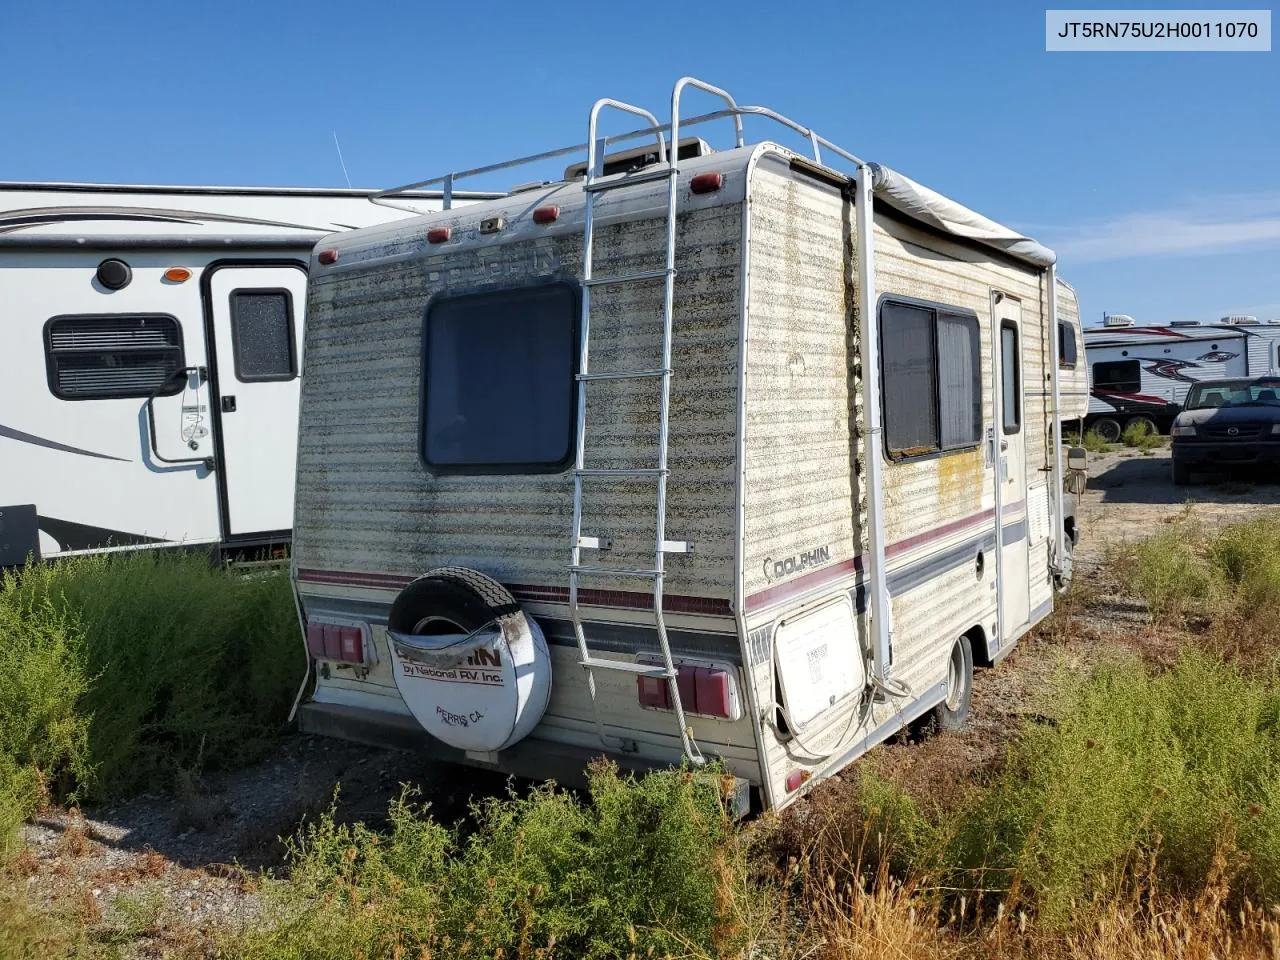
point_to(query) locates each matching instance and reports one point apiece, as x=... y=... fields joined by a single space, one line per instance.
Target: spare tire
x=471 y=667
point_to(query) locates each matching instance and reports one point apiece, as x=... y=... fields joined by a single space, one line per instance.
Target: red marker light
x=796 y=779
x=546 y=215
x=439 y=234
x=328 y=256
x=707 y=182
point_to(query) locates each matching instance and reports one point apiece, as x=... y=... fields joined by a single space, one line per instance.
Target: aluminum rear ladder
x=595 y=185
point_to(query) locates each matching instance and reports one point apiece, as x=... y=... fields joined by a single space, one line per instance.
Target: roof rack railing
x=734 y=110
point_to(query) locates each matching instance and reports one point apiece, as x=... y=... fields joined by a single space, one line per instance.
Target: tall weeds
x=640 y=868
x=118 y=671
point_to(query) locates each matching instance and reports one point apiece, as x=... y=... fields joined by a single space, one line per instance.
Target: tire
x=1181 y=474
x=950 y=715
x=449 y=600
x=1108 y=428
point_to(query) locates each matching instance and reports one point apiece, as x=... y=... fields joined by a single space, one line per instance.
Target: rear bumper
x=529 y=758
x=1226 y=453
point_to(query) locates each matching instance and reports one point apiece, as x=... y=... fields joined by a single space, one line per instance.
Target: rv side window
x=498 y=370
x=1010 y=378
x=1122 y=376
x=1066 y=345
x=262 y=336
x=111 y=356
x=931 y=371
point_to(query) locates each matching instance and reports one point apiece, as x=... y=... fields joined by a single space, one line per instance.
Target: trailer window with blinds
x=931 y=372
x=498 y=374
x=262 y=335
x=113 y=356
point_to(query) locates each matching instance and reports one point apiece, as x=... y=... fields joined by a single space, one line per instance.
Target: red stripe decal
x=632 y=600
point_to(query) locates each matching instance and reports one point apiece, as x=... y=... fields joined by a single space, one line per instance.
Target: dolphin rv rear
x=692 y=454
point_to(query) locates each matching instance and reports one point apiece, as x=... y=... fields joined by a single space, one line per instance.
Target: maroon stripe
x=384 y=581
x=631 y=600
x=825 y=575
x=709 y=606
x=808 y=581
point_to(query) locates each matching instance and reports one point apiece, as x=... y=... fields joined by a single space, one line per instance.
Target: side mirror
x=1077 y=458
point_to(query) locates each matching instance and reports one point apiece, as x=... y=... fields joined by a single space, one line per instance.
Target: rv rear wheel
x=952 y=712
x=1108 y=429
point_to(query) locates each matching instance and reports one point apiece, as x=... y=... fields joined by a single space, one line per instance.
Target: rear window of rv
x=111 y=356
x=932 y=382
x=498 y=373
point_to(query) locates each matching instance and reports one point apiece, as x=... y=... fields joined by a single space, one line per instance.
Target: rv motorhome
x=149 y=376
x=1142 y=373
x=693 y=454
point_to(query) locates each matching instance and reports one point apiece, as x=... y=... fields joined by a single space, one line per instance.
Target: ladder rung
x=626 y=666
x=623 y=375
x=601 y=186
x=627 y=278
x=677 y=546
x=622 y=472
x=615 y=571
x=596 y=543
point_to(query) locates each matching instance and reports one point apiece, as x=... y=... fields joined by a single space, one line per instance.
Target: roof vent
x=1238 y=321
x=1117 y=320
x=1185 y=323
x=628 y=161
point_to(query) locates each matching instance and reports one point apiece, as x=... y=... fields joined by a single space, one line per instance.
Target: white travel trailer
x=1142 y=373
x=148 y=378
x=703 y=454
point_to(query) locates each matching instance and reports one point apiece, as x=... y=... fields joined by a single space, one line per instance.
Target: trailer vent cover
x=471 y=667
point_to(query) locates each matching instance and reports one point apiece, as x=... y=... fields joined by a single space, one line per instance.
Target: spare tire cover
x=490 y=691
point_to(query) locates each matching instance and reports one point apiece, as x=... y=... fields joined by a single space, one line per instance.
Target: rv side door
x=256 y=313
x=1014 y=586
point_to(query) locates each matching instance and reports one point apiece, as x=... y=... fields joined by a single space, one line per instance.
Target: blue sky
x=1156 y=176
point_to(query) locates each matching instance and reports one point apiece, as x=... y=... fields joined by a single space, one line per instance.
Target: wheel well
x=978 y=641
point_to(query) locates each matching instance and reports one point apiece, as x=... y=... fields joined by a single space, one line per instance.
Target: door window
x=1010 y=378
x=262 y=335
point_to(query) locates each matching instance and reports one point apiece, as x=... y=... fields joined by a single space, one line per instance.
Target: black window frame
x=938 y=309
x=503 y=469
x=1012 y=327
x=1067 y=335
x=235 y=335
x=1124 y=387
x=178 y=347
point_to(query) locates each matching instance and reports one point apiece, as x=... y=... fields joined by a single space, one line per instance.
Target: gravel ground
x=161 y=874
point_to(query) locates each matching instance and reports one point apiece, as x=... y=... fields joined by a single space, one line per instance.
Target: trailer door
x=256 y=312
x=1011 y=475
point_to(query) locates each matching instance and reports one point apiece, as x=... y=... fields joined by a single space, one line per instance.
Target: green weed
x=647 y=867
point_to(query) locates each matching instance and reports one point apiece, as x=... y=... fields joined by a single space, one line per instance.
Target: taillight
x=546 y=214
x=439 y=234
x=343 y=642
x=706 y=690
x=327 y=257
x=707 y=182
x=797 y=779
